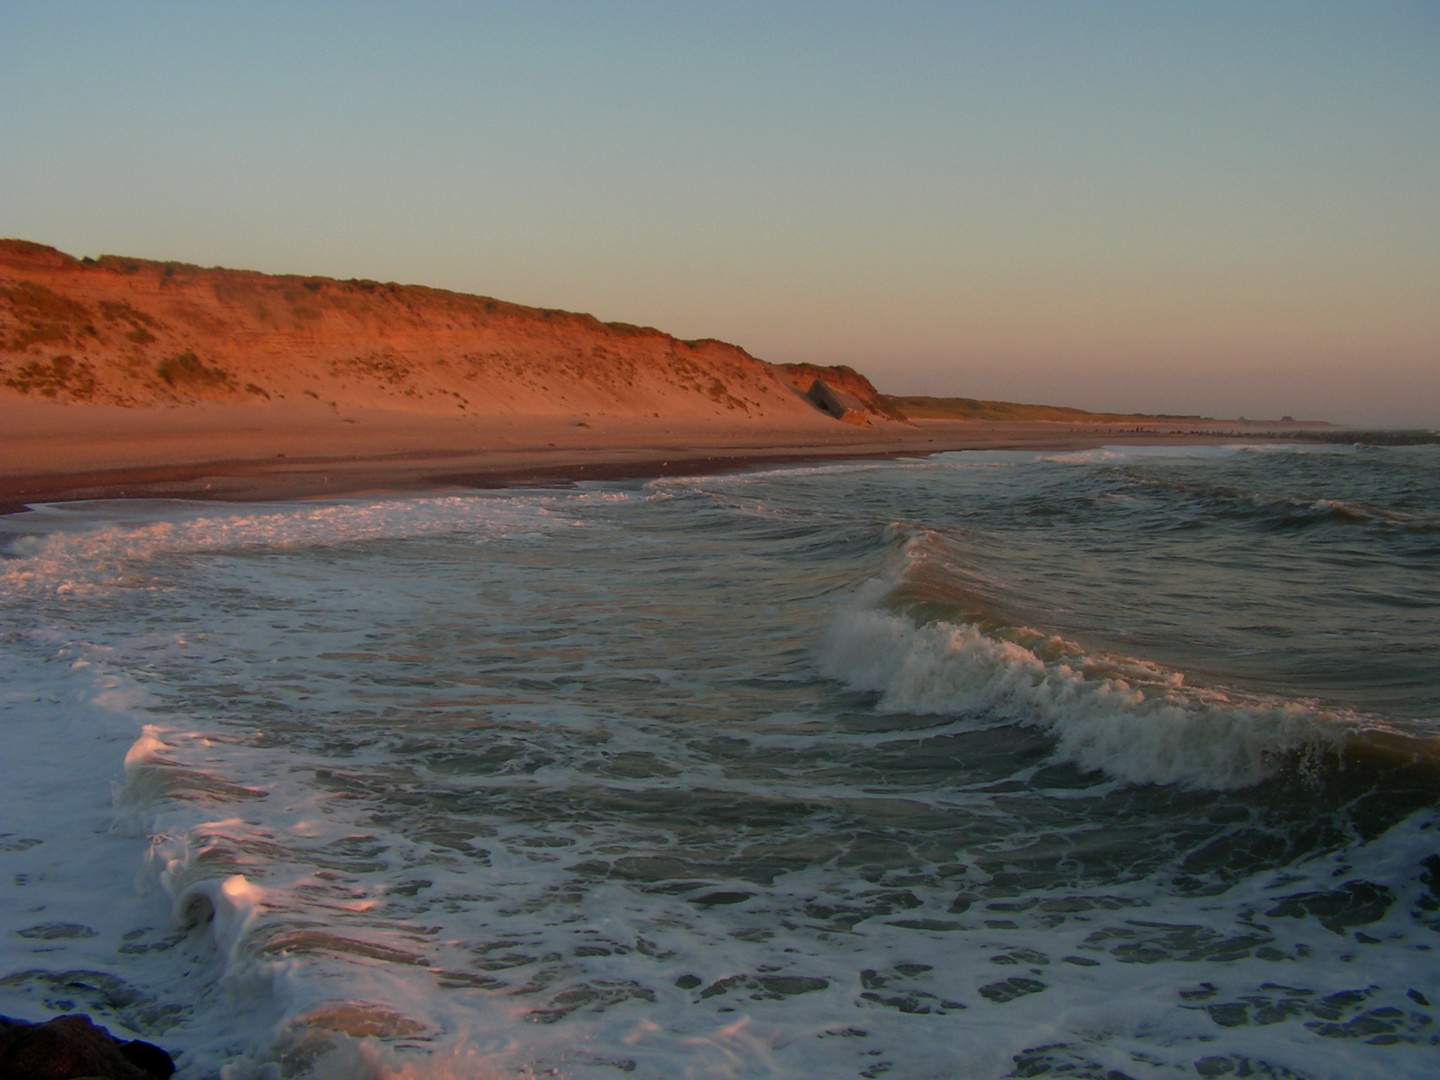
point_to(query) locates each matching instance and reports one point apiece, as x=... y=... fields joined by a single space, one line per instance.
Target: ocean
x=1115 y=763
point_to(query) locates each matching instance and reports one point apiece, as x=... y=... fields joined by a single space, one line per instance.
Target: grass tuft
x=186 y=369
x=62 y=375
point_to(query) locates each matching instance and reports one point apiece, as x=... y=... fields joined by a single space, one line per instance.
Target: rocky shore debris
x=72 y=1047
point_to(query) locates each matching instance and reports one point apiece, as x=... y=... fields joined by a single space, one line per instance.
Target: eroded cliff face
x=841 y=377
x=134 y=332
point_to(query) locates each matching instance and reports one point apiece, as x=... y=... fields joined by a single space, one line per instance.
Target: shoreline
x=72 y=455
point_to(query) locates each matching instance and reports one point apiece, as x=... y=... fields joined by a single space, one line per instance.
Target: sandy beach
x=139 y=379
x=55 y=452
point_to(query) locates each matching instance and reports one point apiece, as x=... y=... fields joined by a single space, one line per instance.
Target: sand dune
x=119 y=373
x=125 y=376
x=134 y=333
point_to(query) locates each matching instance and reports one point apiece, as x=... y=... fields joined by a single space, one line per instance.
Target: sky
x=1226 y=209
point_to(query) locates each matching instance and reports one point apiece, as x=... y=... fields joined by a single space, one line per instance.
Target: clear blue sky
x=1218 y=208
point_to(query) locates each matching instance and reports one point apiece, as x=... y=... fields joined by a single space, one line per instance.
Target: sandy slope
x=146 y=334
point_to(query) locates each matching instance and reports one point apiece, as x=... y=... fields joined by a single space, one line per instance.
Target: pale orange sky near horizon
x=1220 y=209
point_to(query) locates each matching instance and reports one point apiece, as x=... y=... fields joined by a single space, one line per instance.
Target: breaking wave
x=1134 y=720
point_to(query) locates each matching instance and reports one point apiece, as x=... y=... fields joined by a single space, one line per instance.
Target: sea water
x=1118 y=763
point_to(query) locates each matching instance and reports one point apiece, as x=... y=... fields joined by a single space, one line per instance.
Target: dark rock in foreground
x=70 y=1047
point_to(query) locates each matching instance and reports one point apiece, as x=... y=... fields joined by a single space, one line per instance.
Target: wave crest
x=1133 y=720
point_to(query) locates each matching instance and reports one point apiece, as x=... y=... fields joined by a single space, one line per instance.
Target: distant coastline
x=129 y=378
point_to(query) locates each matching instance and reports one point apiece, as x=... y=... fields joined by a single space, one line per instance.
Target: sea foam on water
x=731 y=776
x=1151 y=730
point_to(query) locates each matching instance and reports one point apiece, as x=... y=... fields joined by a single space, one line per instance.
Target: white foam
x=279 y=898
x=1134 y=721
x=1124 y=452
x=58 y=557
